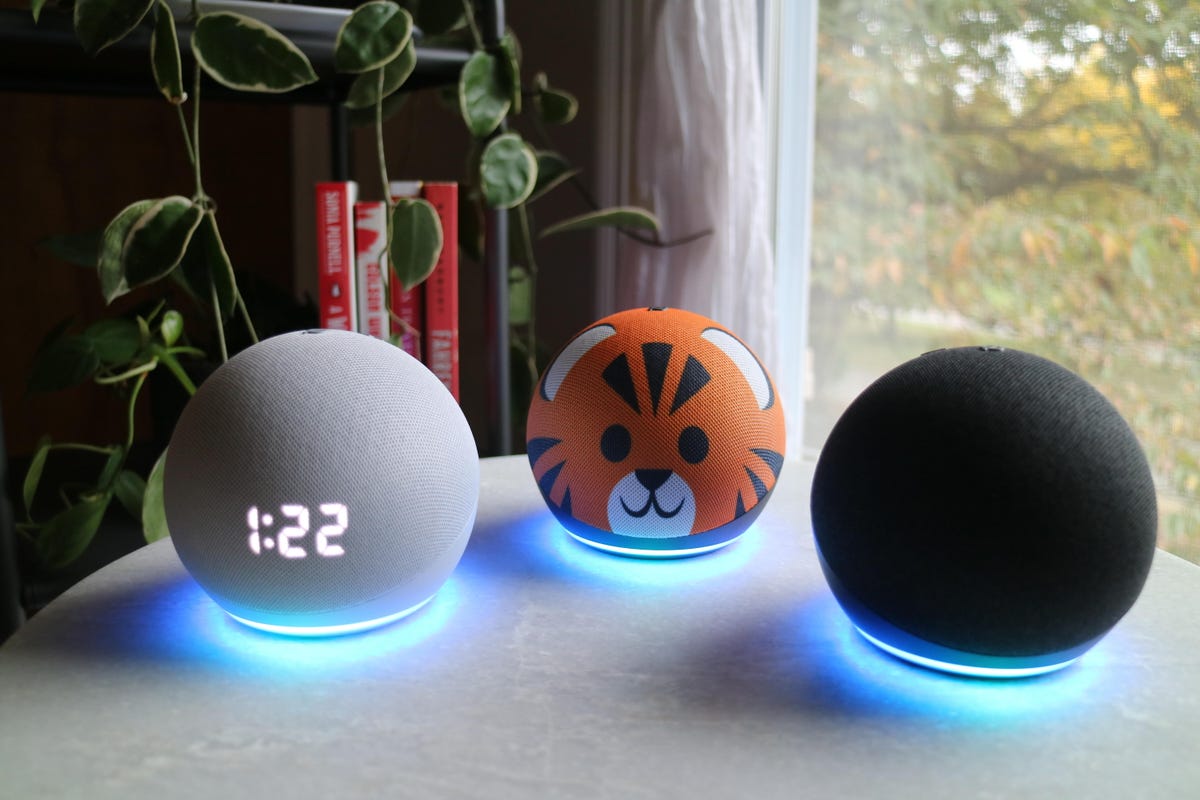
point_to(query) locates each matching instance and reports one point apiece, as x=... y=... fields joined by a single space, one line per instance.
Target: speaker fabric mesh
x=313 y=418
x=988 y=501
x=652 y=426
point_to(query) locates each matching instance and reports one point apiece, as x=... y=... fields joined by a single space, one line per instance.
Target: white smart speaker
x=321 y=482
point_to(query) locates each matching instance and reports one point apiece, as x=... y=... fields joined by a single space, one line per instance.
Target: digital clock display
x=288 y=540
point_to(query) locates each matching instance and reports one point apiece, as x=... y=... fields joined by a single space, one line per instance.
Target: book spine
x=370 y=243
x=408 y=306
x=441 y=290
x=335 y=249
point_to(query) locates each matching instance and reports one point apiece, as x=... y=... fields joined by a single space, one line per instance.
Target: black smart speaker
x=984 y=511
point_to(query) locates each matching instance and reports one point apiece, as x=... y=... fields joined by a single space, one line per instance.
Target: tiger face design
x=655 y=425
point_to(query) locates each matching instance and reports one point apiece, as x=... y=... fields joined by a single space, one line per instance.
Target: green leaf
x=617 y=217
x=69 y=532
x=80 y=249
x=556 y=107
x=115 y=341
x=63 y=363
x=483 y=97
x=372 y=36
x=143 y=331
x=171 y=327
x=552 y=169
x=416 y=241
x=365 y=88
x=33 y=476
x=507 y=171
x=248 y=55
x=36 y=7
x=99 y=23
x=158 y=240
x=130 y=489
x=206 y=263
x=520 y=297
x=110 y=266
x=510 y=69
x=109 y=473
x=164 y=55
x=154 y=514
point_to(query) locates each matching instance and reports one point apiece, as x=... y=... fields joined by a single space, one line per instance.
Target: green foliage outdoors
x=1034 y=169
x=177 y=238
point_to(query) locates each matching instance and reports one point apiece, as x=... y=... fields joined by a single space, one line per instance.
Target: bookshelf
x=46 y=58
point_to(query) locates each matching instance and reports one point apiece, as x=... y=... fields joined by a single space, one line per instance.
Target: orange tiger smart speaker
x=656 y=432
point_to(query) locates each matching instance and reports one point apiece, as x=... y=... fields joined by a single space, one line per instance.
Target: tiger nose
x=652 y=478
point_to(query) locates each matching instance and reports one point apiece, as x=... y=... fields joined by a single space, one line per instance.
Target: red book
x=407 y=305
x=441 y=289
x=335 y=254
x=370 y=245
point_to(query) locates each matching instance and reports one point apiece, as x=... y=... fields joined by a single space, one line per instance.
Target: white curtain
x=699 y=161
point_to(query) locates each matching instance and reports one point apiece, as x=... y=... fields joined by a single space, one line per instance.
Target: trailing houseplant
x=176 y=240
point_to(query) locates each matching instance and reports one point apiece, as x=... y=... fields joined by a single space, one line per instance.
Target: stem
x=216 y=305
x=133 y=396
x=176 y=369
x=532 y=269
x=241 y=304
x=237 y=292
x=187 y=137
x=195 y=144
x=469 y=13
x=590 y=200
x=129 y=373
x=154 y=313
x=86 y=448
x=187 y=351
x=383 y=176
x=386 y=273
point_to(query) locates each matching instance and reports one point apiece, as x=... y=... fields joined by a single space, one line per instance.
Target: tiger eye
x=615 y=443
x=693 y=445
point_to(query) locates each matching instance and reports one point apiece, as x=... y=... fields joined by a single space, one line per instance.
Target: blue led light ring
x=965 y=669
x=373 y=612
x=331 y=630
x=642 y=552
x=919 y=651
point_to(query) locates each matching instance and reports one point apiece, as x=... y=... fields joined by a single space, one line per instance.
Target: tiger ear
x=746 y=362
x=574 y=350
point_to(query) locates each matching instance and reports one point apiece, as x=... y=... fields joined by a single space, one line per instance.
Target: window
x=1020 y=174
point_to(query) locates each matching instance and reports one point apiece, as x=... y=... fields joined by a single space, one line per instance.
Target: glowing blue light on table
x=850 y=674
x=579 y=559
x=642 y=552
x=225 y=641
x=330 y=630
x=969 y=670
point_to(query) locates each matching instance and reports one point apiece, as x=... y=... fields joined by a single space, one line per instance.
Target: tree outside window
x=1022 y=174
